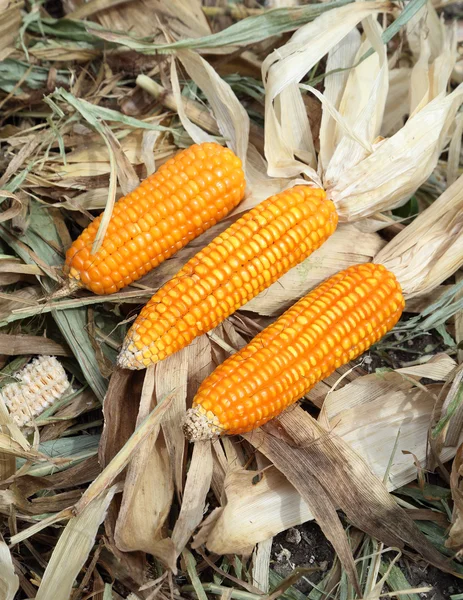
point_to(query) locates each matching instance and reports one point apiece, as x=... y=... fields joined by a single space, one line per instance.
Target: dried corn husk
x=148 y=490
x=430 y=249
x=379 y=415
x=9 y=581
x=73 y=548
x=10 y=22
x=361 y=172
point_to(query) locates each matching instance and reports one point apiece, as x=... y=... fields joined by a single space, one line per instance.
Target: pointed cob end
x=71 y=285
x=132 y=358
x=200 y=424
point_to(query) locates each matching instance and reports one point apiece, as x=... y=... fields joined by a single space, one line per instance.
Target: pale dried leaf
x=397 y=101
x=73 y=548
x=232 y=118
x=197 y=487
x=400 y=164
x=9 y=581
x=261 y=565
x=430 y=249
x=171 y=378
x=362 y=103
x=287 y=66
x=340 y=59
x=454 y=154
x=148 y=488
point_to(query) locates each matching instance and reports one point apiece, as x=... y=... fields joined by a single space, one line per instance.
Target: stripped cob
x=332 y=325
x=39 y=384
x=244 y=260
x=186 y=196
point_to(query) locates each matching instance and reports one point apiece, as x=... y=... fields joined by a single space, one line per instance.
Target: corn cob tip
x=200 y=425
x=70 y=286
x=131 y=358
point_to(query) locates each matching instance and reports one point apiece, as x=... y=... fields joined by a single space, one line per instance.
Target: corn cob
x=186 y=196
x=39 y=384
x=241 y=262
x=332 y=325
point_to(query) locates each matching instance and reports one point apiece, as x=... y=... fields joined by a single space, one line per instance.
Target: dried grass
x=92 y=103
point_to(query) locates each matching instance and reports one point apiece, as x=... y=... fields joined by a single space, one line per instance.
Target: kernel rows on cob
x=332 y=325
x=244 y=260
x=187 y=195
x=39 y=384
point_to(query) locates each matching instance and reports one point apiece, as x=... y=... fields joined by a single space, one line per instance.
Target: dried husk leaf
x=148 y=489
x=453 y=162
x=172 y=378
x=427 y=20
x=73 y=548
x=315 y=494
x=340 y=58
x=362 y=103
x=361 y=172
x=399 y=164
x=197 y=487
x=287 y=65
x=120 y=411
x=261 y=565
x=455 y=538
x=397 y=102
x=430 y=249
x=232 y=118
x=9 y=581
x=343 y=249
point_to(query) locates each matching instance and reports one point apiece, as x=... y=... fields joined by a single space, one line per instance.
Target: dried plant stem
x=92 y=7
x=213 y=588
x=236 y=11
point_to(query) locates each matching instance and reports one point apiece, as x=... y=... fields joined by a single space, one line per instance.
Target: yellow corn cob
x=332 y=325
x=187 y=195
x=244 y=260
x=39 y=384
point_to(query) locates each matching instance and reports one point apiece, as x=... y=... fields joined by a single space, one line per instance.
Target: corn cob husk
x=379 y=416
x=355 y=165
x=430 y=249
x=40 y=384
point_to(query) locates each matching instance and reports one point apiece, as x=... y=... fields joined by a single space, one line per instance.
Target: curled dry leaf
x=9 y=581
x=73 y=548
x=430 y=249
x=148 y=490
x=455 y=539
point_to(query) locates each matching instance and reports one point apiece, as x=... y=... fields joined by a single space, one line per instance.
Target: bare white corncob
x=39 y=384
